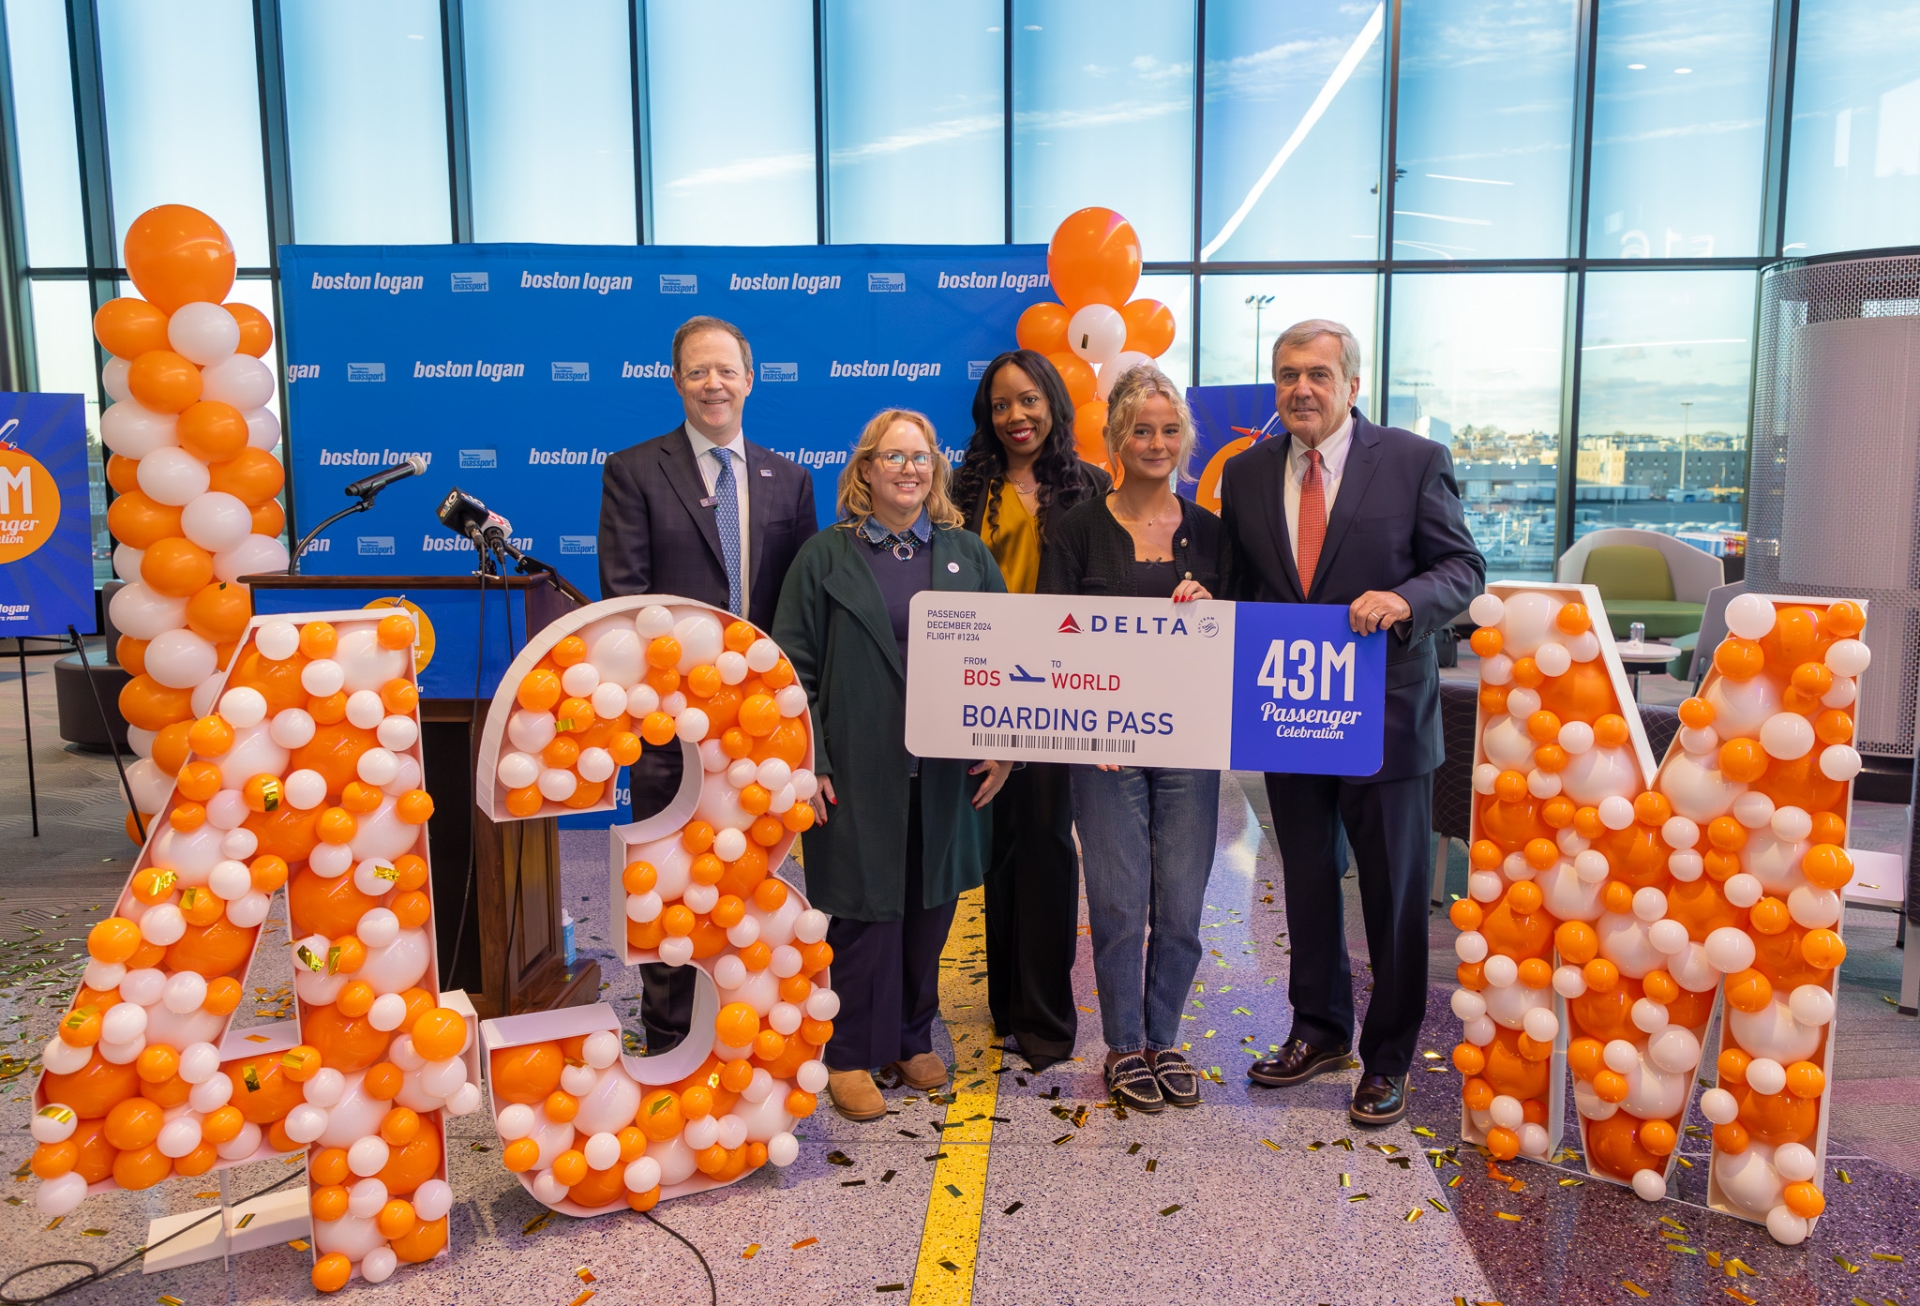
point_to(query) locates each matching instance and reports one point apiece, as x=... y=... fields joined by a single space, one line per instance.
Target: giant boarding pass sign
x=1614 y=901
x=1144 y=682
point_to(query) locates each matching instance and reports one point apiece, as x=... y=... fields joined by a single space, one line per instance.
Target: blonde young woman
x=899 y=838
x=1146 y=833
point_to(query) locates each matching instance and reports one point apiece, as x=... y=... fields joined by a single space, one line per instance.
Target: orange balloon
x=334 y=752
x=178 y=568
x=1577 y=941
x=345 y=1044
x=94 y=1089
x=319 y=905
x=527 y=1074
x=178 y=255
x=1089 y=431
x=418 y=1161
x=330 y=1200
x=96 y=1153
x=440 y=1034
x=212 y=431
x=1078 y=375
x=1150 y=326
x=424 y=1243
x=659 y=1116
x=252 y=476
x=170 y=749
x=1093 y=258
x=1043 y=329
x=1739 y=659
x=220 y=611
x=139 y=522
x=262 y=1090
x=1614 y=1146
x=269 y=518
x=163 y=381
x=599 y=1187
x=123 y=474
x=1804 y=1199
x=1511 y=1073
x=134 y=1122
x=129 y=327
x=1658 y=1137
x=150 y=705
x=140 y=1167
x=1777 y=1118
x=331 y=1272
x=200 y=1160
x=1468 y=1059
x=256 y=332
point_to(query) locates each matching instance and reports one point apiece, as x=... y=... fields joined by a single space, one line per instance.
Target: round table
x=1642 y=656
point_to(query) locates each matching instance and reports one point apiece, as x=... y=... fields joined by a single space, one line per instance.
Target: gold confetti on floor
x=582 y=1299
x=1634 y=1288
x=805 y=1242
x=753 y=1250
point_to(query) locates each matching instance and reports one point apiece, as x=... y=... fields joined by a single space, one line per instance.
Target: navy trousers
x=1033 y=913
x=1390 y=827
x=887 y=973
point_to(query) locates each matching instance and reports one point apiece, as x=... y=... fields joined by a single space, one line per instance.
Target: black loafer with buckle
x=1295 y=1063
x=1132 y=1084
x=1179 y=1081
x=1379 y=1100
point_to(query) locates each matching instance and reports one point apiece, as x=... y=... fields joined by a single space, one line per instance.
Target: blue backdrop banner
x=515 y=370
x=46 y=535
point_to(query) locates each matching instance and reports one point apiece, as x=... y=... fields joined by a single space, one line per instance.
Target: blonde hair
x=1129 y=395
x=856 y=496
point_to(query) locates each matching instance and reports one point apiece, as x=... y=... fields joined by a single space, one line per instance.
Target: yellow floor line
x=950 y=1239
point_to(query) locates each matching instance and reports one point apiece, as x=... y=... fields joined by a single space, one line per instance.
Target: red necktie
x=1313 y=522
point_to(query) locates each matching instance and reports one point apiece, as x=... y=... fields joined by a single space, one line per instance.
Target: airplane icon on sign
x=1024 y=676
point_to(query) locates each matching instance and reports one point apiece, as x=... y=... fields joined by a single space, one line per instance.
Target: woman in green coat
x=899 y=838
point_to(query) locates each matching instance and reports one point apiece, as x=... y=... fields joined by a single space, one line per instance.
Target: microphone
x=465 y=515
x=368 y=486
x=498 y=533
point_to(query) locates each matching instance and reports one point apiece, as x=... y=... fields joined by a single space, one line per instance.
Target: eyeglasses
x=896 y=460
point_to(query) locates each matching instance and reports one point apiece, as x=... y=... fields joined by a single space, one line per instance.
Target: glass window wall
x=1241 y=317
x=1665 y=370
x=1103 y=115
x=916 y=147
x=1476 y=364
x=49 y=160
x=550 y=122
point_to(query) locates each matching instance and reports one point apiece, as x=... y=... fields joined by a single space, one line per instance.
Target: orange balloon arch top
x=1093 y=258
x=142 y=1080
x=177 y=255
x=1608 y=903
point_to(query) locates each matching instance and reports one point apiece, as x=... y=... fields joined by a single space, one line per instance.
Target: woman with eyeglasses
x=1019 y=479
x=1147 y=833
x=899 y=838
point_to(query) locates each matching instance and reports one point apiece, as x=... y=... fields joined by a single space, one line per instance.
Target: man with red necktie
x=1340 y=510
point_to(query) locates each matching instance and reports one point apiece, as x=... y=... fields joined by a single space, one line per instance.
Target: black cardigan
x=1092 y=553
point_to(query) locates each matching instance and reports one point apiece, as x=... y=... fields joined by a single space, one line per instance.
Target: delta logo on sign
x=468 y=283
x=1101 y=623
x=1069 y=626
x=679 y=283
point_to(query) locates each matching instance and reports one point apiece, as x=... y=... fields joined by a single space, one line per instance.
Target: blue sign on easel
x=46 y=535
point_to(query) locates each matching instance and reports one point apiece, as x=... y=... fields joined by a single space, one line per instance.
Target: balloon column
x=304 y=773
x=196 y=478
x=1095 y=332
x=588 y=1129
x=1637 y=897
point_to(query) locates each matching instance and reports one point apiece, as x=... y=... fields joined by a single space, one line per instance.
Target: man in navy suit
x=699 y=513
x=1343 y=511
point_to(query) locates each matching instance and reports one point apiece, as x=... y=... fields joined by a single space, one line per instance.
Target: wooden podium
x=496 y=887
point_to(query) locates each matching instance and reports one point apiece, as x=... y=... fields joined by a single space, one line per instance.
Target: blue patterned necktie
x=727 y=512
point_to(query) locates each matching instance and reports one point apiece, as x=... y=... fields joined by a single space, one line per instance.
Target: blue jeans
x=1146 y=842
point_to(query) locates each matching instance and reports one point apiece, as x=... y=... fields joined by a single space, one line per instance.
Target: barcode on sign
x=1056 y=743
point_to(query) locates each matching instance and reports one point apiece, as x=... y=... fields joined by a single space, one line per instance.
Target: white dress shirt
x=709 y=465
x=1333 y=462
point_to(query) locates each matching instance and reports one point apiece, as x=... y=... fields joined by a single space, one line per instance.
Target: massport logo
x=467 y=283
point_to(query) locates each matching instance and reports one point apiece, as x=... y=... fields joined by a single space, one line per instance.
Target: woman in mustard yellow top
x=1019 y=478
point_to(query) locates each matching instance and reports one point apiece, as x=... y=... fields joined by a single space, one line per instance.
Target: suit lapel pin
x=954 y=567
x=767 y=472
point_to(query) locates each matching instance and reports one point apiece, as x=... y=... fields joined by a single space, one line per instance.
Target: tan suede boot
x=855 y=1095
x=926 y=1071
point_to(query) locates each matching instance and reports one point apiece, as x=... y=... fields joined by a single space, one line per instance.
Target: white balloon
x=256 y=555
x=64 y=1058
x=1750 y=616
x=293 y=727
x=172 y=476
x=1116 y=367
x=239 y=379
x=783 y=1149
x=351 y=1236
x=1840 y=762
x=113 y=379
x=1773 y=1033
x=1765 y=1075
x=263 y=429
x=1674 y=1049
x=609 y=1104
x=1719 y=1106
x=211 y=1093
x=368 y=1156
x=397 y=966
x=1848 y=657
x=1649 y=1185
x=609 y=700
x=1795 y=1163
x=50 y=1125
x=126 y=562
x=1786 y=735
x=304 y=1123
x=1502 y=972
x=1811 y=1004
x=1787 y=1228
x=1729 y=949
x=1097 y=332
x=530 y=731
x=378 y=1265
x=305 y=790
x=642 y=1175
x=203 y=333
x=1486 y=609
x=141 y=613
x=602 y=1151
x=701 y=641
x=63 y=1194
x=185 y=990
x=151 y=786
x=135 y=432
x=1525 y=622
x=1748 y=1179
x=216 y=521
x=1741 y=706
x=368 y=664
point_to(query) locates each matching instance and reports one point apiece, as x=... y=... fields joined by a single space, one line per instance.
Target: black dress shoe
x=1379 y=1099
x=1131 y=1083
x=1295 y=1063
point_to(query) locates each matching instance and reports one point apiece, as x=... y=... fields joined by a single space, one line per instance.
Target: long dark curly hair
x=1056 y=469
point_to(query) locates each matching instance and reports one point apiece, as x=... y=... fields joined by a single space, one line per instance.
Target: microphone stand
x=528 y=566
x=293 y=563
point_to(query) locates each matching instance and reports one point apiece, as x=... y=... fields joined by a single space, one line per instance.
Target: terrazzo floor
x=1223 y=1204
